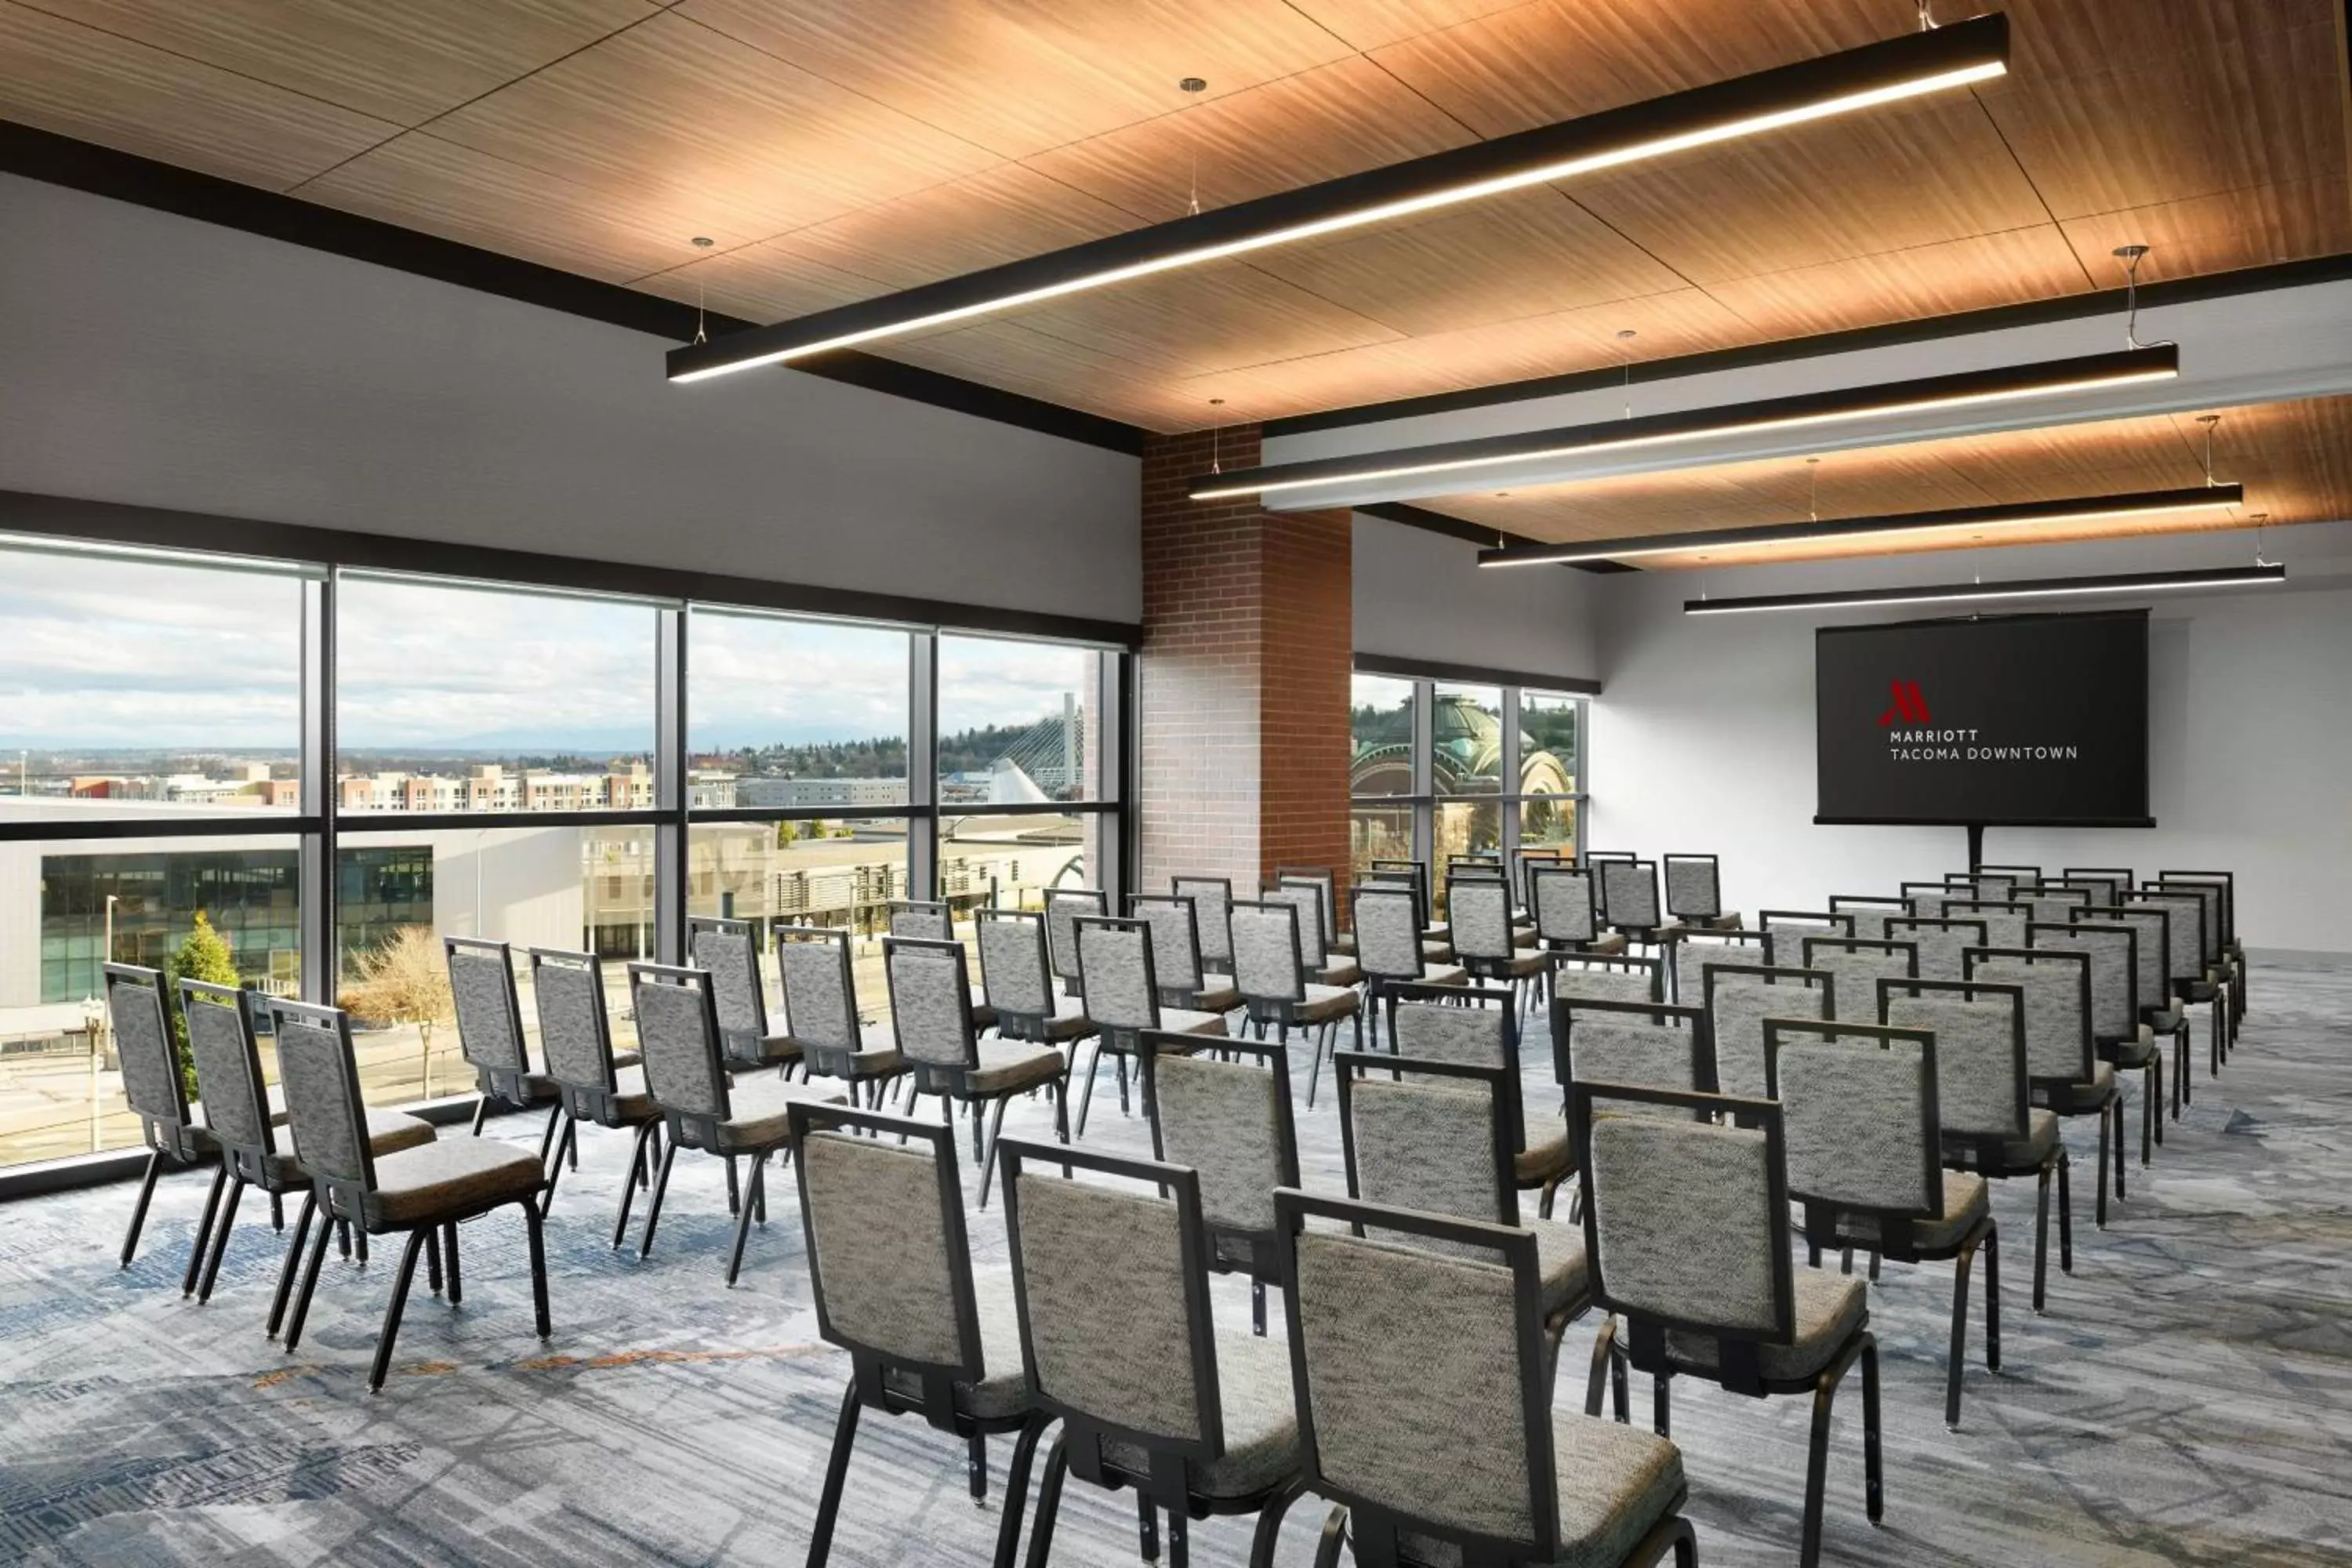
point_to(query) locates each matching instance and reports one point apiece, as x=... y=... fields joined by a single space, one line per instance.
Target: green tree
x=202 y=955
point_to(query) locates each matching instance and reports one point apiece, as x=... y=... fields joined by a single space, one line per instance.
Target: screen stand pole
x=1976 y=846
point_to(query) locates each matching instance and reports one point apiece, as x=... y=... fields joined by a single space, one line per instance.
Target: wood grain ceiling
x=2294 y=459
x=835 y=149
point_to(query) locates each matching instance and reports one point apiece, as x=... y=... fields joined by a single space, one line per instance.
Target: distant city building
x=771 y=793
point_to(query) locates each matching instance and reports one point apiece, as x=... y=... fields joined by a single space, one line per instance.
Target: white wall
x=1421 y=595
x=1702 y=740
x=150 y=359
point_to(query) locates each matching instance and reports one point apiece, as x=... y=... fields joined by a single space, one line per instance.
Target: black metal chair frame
x=1859 y=904
x=2117 y=1050
x=2230 y=947
x=1224 y=885
x=939 y=911
x=1012 y=1024
x=1720 y=939
x=2201 y=987
x=1916 y=924
x=510 y=1087
x=1665 y=1014
x=1909 y=950
x=1480 y=996
x=1714 y=911
x=834 y=1061
x=1171 y=994
x=175 y=1138
x=1281 y=1012
x=695 y=926
x=1832 y=924
x=596 y=1102
x=1646 y=933
x=2062 y=1096
x=953 y=1084
x=1098 y=902
x=1592 y=904
x=1260 y=1249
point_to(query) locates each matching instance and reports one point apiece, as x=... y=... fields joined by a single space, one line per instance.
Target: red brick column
x=1247 y=646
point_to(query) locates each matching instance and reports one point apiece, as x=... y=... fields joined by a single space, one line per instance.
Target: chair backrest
x=819 y=994
x=930 y=1002
x=1565 y=906
x=1478 y=910
x=575 y=1035
x=1982 y=1084
x=2005 y=919
x=1654 y=1044
x=2107 y=883
x=1212 y=903
x=1926 y=898
x=489 y=1015
x=2013 y=876
x=1860 y=964
x=1993 y=889
x=1062 y=907
x=1437 y=1140
x=1231 y=1121
x=1471 y=1462
x=1685 y=1217
x=1112 y=1289
x=1012 y=961
x=1606 y=978
x=2152 y=925
x=2209 y=920
x=1413 y=874
x=1694 y=887
x=1388 y=932
x=1939 y=942
x=1314 y=919
x=1869 y=911
x=890 y=1264
x=1864 y=1133
x=1477 y=1026
x=1116 y=974
x=1785 y=931
x=324 y=1110
x=1695 y=948
x=1266 y=958
x=679 y=1035
x=1531 y=859
x=1175 y=941
x=931 y=921
x=2114 y=950
x=729 y=951
x=1629 y=891
x=142 y=1040
x=2226 y=935
x=2050 y=902
x=2057 y=986
x=221 y=1039
x=1322 y=878
x=1739 y=997
x=2184 y=942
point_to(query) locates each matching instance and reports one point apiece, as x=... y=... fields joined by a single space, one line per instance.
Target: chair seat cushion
x=1261 y=1422
x=1613 y=943
x=2080 y=1098
x=1007 y=1066
x=628 y=1059
x=2135 y=1052
x=632 y=1101
x=1523 y=934
x=1342 y=972
x=760 y=1107
x=388 y=1134
x=1344 y=943
x=1967 y=1197
x=2040 y=1138
x=1436 y=952
x=450 y=1176
x=1069 y=1021
x=1444 y=975
x=1560 y=1262
x=1547 y=1153
x=768 y=1052
x=1615 y=1484
x=1518 y=966
x=1217 y=999
x=1830 y=1307
x=877 y=1056
x=1185 y=1021
x=1325 y=1002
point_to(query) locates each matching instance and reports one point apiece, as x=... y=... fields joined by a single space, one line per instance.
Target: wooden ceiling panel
x=1984 y=270
x=767 y=145
x=1018 y=77
x=1007 y=355
x=403 y=62
x=79 y=81
x=1203 y=319
x=762 y=282
x=2248 y=227
x=1368 y=24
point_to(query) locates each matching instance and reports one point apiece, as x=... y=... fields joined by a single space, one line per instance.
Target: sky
x=108 y=653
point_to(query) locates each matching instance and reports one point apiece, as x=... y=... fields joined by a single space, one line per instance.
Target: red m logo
x=1908 y=707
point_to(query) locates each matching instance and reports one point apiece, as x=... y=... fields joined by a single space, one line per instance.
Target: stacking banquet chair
x=1568 y=911
x=2051 y=904
x=1652 y=1045
x=1695 y=947
x=890 y=1272
x=1014 y=957
x=1231 y=1121
x=1438 y=1141
x=822 y=1017
x=1444 y=1447
x=2061 y=1052
x=1476 y=1026
x=1176 y=961
x=1984 y=1095
x=490 y=1032
x=2191 y=983
x=1939 y=942
x=2013 y=876
x=1478 y=913
x=576 y=1037
x=1685 y=1223
x=1122 y=993
x=1063 y=906
x=2004 y=920
x=1271 y=973
x=2121 y=1032
x=227 y=1056
x=1860 y=964
x=1694 y=892
x=930 y=1002
x=2108 y=884
x=1335 y=941
x=1212 y=899
x=1388 y=943
x=1993 y=888
x=701 y=1107
x=426 y=1190
x=158 y=1095
x=1785 y=931
x=1576 y=977
x=2162 y=1014
x=729 y=952
x=2210 y=981
x=1865 y=1155
x=935 y=922
x=1325 y=965
x=1926 y=898
x=1488 y=865
x=1112 y=1287
x=1628 y=900
x=1739 y=997
x=1868 y=913
x=2230 y=952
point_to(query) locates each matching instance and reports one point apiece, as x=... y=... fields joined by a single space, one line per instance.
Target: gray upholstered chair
x=1739 y=997
x=1486 y=943
x=1479 y=1026
x=729 y=951
x=1869 y=912
x=1176 y=961
x=236 y=1102
x=1015 y=961
x=1926 y=898
x=2061 y=1054
x=1424 y=1378
x=2014 y=877
x=2162 y=1014
x=1685 y=1221
x=1939 y=941
x=2108 y=884
x=1865 y=1164
x=935 y=923
x=1112 y=1286
x=1335 y=941
x=890 y=1273
x=1694 y=892
x=2121 y=1030
x=822 y=1018
x=1860 y=964
x=155 y=1090
x=930 y=1002
x=2199 y=975
x=1579 y=976
x=1122 y=992
x=702 y=1106
x=1213 y=898
x=1388 y=942
x=575 y=1035
x=425 y=1191
x=1271 y=972
x=1227 y=1117
x=1568 y=910
x=2051 y=904
x=1695 y=947
x=1628 y=900
x=490 y=1032
x=1785 y=931
x=1326 y=965
x=1439 y=1139
x=2230 y=953
x=1984 y=1095
x=2004 y=920
x=1646 y=1045
x=1063 y=906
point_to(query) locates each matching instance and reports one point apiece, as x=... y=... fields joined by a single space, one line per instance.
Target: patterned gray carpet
x=2187 y=1400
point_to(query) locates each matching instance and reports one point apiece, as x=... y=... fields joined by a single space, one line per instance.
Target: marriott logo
x=1909 y=706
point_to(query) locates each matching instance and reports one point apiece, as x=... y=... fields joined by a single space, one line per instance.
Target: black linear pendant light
x=1935 y=60
x=2260 y=575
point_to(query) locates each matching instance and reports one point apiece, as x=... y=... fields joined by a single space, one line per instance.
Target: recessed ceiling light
x=702 y=242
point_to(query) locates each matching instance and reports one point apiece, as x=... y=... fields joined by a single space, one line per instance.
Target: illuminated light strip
x=2020 y=514
x=2049 y=378
x=2044 y=588
x=1891 y=71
